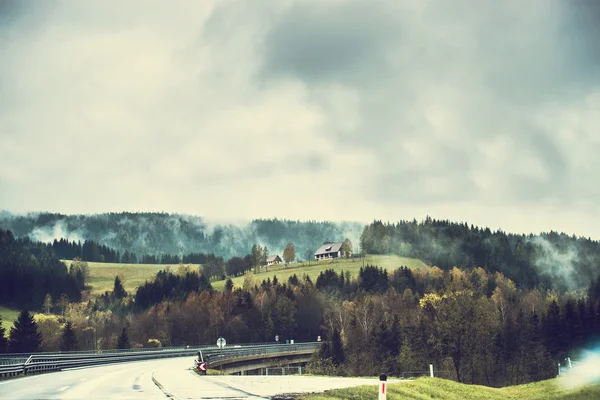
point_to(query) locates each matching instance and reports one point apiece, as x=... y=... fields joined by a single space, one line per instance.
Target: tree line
x=162 y=233
x=552 y=260
x=29 y=271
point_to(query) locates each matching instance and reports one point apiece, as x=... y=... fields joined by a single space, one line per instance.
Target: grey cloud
x=490 y=68
x=385 y=106
x=328 y=42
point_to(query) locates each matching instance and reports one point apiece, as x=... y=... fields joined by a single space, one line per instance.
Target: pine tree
x=69 y=339
x=228 y=285
x=118 y=289
x=3 y=341
x=337 y=348
x=123 y=342
x=24 y=335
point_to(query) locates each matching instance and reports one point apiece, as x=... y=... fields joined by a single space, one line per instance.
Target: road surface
x=160 y=379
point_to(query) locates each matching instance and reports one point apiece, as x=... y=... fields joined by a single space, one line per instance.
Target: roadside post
x=221 y=342
x=382 y=386
x=431 y=370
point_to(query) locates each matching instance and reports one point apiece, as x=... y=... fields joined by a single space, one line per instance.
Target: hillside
x=102 y=275
x=8 y=317
x=177 y=234
x=434 y=388
x=353 y=265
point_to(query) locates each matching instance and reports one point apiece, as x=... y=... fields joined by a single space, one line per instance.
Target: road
x=158 y=378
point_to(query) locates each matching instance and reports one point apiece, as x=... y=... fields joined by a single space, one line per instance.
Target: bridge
x=243 y=359
x=229 y=359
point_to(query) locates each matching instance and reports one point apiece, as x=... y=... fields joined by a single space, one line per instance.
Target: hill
x=435 y=388
x=178 y=234
x=353 y=265
x=8 y=317
x=102 y=275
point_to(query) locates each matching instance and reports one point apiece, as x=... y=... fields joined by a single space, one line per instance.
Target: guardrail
x=15 y=364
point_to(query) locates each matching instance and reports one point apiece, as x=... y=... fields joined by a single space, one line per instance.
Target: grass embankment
x=102 y=275
x=389 y=262
x=434 y=388
x=8 y=317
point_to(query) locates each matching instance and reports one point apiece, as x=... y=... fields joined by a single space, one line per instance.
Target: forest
x=489 y=310
x=155 y=234
x=551 y=260
x=474 y=326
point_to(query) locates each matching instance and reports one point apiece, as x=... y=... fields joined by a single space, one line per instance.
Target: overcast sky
x=478 y=111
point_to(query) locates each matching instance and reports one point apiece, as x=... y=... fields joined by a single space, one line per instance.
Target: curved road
x=159 y=379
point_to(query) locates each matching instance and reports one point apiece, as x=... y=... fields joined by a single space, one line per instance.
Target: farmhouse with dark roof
x=330 y=250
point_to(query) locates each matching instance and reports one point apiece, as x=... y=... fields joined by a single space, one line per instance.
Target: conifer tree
x=118 y=289
x=337 y=348
x=123 y=342
x=69 y=339
x=24 y=335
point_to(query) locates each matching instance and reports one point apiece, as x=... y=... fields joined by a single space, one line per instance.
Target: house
x=330 y=250
x=273 y=260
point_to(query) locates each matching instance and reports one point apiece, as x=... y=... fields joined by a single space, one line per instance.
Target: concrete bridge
x=239 y=360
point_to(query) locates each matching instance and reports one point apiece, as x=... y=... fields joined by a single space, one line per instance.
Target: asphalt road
x=160 y=379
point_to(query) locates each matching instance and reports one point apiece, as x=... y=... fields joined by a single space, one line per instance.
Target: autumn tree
x=24 y=335
x=289 y=253
x=47 y=303
x=256 y=256
x=308 y=253
x=347 y=248
x=265 y=255
x=63 y=302
x=69 y=339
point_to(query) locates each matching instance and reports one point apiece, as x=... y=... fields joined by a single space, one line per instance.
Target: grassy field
x=102 y=275
x=389 y=262
x=8 y=316
x=434 y=388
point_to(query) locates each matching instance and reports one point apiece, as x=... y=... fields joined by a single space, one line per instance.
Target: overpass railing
x=15 y=364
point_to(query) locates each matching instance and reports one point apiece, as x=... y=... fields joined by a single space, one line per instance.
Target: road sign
x=202 y=366
x=221 y=342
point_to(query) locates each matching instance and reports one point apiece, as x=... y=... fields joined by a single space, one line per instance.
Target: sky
x=480 y=111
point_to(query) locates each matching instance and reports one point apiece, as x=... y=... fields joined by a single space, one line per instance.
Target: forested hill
x=554 y=260
x=176 y=234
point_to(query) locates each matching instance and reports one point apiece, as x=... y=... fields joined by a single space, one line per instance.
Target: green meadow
x=389 y=262
x=435 y=388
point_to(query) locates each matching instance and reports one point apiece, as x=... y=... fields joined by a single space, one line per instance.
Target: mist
x=585 y=371
x=178 y=234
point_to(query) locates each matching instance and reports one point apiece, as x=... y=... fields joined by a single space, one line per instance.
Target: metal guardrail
x=15 y=364
x=219 y=355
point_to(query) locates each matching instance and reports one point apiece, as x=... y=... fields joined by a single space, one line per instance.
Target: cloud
x=304 y=109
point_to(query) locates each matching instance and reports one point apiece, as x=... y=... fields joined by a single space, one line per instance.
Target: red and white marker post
x=382 y=386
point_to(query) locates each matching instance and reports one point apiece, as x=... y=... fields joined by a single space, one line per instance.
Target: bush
x=153 y=343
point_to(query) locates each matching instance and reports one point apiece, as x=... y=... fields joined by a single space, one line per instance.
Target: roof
x=273 y=258
x=329 y=248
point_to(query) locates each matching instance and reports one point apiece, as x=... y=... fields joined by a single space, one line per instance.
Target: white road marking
x=63 y=388
x=83 y=380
